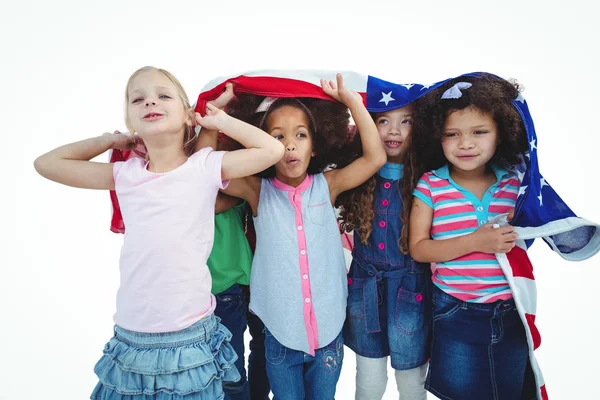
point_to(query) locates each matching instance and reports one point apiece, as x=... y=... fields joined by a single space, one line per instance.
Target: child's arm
x=262 y=150
x=486 y=238
x=373 y=158
x=208 y=137
x=70 y=164
x=225 y=202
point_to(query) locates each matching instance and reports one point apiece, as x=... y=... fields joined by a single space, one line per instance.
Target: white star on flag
x=532 y=145
x=520 y=98
x=543 y=183
x=408 y=85
x=522 y=190
x=540 y=199
x=386 y=98
x=520 y=175
x=427 y=86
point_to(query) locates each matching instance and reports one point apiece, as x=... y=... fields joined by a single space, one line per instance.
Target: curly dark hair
x=328 y=125
x=423 y=152
x=356 y=205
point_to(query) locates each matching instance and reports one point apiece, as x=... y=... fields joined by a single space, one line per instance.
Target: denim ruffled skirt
x=190 y=364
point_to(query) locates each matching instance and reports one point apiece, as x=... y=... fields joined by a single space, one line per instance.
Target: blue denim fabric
x=479 y=351
x=192 y=362
x=295 y=375
x=389 y=294
x=232 y=308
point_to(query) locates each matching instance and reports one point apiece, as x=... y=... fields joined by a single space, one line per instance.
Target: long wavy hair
x=423 y=152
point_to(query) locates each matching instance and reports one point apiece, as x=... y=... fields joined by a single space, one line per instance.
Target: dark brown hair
x=328 y=125
x=423 y=152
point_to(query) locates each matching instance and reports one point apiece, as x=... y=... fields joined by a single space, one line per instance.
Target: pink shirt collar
x=308 y=179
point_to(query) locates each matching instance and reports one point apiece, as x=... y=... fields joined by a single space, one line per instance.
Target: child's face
x=290 y=126
x=394 y=127
x=469 y=139
x=155 y=106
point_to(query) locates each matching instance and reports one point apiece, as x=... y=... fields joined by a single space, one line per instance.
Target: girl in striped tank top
x=467 y=139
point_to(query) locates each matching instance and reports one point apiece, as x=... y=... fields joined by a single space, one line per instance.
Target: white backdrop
x=64 y=68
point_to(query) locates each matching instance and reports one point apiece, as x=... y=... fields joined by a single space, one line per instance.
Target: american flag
x=539 y=211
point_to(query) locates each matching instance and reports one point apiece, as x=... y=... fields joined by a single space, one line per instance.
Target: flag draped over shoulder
x=539 y=211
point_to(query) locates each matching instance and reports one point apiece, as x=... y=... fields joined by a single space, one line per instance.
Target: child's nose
x=290 y=145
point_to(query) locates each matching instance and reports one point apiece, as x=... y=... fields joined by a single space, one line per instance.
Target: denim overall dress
x=389 y=295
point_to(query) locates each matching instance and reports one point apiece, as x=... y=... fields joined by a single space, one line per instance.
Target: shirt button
x=303 y=252
x=305 y=276
x=385 y=202
x=479 y=208
x=299 y=227
x=381 y=246
x=307 y=300
x=382 y=224
x=387 y=185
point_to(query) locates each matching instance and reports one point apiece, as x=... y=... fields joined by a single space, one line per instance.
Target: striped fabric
x=475 y=277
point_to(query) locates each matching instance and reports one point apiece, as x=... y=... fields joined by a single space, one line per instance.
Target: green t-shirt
x=231 y=258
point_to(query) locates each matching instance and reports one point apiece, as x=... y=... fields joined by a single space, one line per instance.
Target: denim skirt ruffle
x=190 y=364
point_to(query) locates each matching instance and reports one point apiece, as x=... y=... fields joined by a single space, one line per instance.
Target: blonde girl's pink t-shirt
x=169 y=230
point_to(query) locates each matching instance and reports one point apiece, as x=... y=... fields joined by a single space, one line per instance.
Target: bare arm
x=208 y=137
x=247 y=188
x=422 y=248
x=373 y=157
x=225 y=202
x=262 y=150
x=70 y=164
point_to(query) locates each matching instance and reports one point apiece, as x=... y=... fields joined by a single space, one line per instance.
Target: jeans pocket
x=410 y=310
x=356 y=302
x=333 y=356
x=444 y=309
x=274 y=351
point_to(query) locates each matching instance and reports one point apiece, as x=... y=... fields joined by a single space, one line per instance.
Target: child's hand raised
x=224 y=98
x=119 y=141
x=213 y=118
x=488 y=239
x=340 y=92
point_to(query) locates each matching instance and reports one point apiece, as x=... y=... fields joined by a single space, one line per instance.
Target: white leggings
x=371 y=380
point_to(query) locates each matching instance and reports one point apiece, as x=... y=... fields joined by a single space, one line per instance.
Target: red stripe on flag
x=347 y=241
x=266 y=86
x=520 y=263
x=544 y=393
x=535 y=334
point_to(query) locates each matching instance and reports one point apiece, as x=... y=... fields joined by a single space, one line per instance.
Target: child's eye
x=164 y=96
x=300 y=134
x=382 y=121
x=449 y=134
x=278 y=137
x=480 y=132
x=137 y=100
x=407 y=121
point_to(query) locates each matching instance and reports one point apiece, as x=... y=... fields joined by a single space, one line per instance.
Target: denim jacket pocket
x=410 y=310
x=356 y=301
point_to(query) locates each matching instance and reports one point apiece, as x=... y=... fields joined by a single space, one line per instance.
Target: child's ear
x=191 y=118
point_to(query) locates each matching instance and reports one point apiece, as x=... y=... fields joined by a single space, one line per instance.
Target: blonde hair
x=189 y=137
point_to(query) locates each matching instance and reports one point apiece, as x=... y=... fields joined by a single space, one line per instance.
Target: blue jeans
x=478 y=351
x=232 y=308
x=295 y=375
